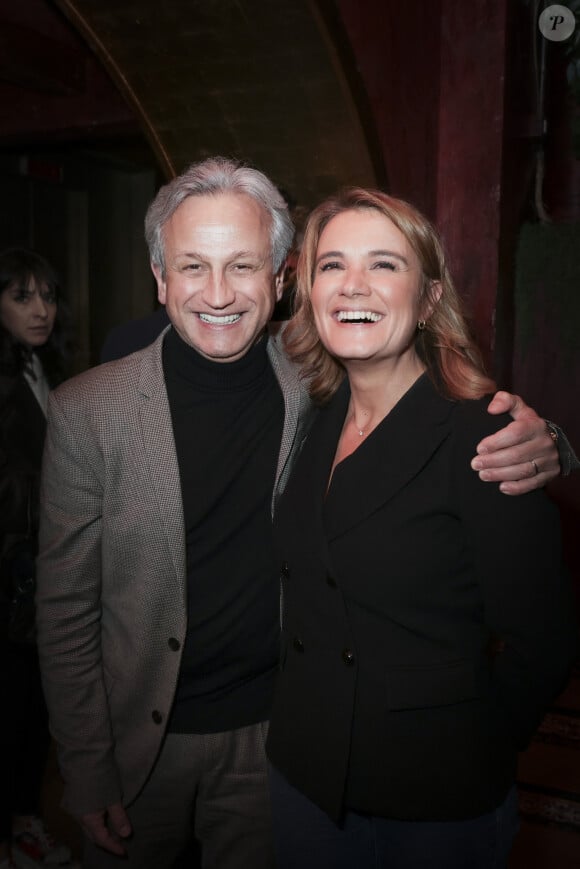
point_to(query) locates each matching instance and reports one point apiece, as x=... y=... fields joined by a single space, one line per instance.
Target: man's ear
x=161 y=285
x=279 y=284
x=431 y=298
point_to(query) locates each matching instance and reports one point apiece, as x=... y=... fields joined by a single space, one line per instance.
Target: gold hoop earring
x=421 y=325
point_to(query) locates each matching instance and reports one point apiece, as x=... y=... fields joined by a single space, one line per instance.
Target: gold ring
x=535 y=467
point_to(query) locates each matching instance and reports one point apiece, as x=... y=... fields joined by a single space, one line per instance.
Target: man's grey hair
x=211 y=177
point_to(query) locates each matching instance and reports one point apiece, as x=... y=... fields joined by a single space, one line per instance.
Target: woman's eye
x=22 y=297
x=385 y=264
x=327 y=266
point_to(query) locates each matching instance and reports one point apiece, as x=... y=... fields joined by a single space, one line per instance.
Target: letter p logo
x=557 y=23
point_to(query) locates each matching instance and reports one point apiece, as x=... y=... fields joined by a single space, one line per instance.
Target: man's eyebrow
x=237 y=254
x=186 y=254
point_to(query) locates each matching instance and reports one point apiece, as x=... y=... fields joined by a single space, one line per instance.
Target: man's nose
x=218 y=292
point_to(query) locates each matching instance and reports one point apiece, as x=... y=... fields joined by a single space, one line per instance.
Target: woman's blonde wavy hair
x=448 y=352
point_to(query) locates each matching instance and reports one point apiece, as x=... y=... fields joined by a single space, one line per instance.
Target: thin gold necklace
x=360 y=431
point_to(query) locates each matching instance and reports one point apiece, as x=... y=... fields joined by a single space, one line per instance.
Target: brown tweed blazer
x=111 y=569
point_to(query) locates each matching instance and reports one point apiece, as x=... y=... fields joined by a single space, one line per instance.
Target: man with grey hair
x=157 y=588
x=158 y=593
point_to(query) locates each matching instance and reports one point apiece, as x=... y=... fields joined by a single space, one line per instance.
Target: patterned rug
x=560 y=728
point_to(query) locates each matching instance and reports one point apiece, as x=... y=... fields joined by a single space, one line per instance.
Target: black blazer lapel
x=300 y=507
x=392 y=455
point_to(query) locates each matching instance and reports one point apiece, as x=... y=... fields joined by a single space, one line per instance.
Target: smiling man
x=218 y=276
x=158 y=602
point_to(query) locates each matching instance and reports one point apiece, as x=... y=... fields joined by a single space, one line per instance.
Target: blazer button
x=348 y=657
x=157 y=716
x=298 y=644
x=285 y=570
x=174 y=644
x=330 y=580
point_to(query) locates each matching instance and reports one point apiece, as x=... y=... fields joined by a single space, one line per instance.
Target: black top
x=395 y=583
x=227 y=421
x=22 y=432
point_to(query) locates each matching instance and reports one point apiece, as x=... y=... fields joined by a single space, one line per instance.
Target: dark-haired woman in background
x=32 y=361
x=426 y=618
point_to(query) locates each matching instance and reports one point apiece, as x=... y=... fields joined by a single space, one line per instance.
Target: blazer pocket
x=421 y=687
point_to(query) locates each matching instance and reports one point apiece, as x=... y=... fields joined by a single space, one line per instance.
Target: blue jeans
x=306 y=838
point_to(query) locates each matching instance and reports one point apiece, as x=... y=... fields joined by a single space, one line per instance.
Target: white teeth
x=366 y=316
x=224 y=320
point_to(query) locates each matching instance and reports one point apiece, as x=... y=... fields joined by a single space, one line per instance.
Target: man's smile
x=219 y=319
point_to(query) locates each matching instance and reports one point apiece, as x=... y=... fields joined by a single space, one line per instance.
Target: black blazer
x=22 y=432
x=395 y=586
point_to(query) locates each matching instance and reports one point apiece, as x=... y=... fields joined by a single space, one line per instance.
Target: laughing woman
x=427 y=620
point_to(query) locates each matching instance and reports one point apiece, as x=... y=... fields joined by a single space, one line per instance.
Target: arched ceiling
x=268 y=81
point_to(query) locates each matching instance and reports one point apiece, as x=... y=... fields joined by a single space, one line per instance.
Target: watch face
x=552 y=430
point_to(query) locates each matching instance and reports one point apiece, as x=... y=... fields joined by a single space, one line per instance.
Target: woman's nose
x=40 y=306
x=355 y=283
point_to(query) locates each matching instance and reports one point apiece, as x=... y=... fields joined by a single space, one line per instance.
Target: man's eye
x=191 y=267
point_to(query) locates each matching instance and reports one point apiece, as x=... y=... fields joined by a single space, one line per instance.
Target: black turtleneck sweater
x=227 y=423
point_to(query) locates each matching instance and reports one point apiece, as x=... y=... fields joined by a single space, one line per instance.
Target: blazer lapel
x=160 y=454
x=298 y=414
x=392 y=455
x=304 y=501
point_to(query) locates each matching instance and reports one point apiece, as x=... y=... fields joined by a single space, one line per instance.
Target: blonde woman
x=426 y=617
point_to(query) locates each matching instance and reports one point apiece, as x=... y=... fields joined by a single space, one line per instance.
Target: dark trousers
x=24 y=736
x=306 y=838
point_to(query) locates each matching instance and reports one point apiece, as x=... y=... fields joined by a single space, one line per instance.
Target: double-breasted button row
x=348 y=657
x=285 y=574
x=298 y=644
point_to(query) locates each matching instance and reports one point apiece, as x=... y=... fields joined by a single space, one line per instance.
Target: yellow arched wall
x=261 y=80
